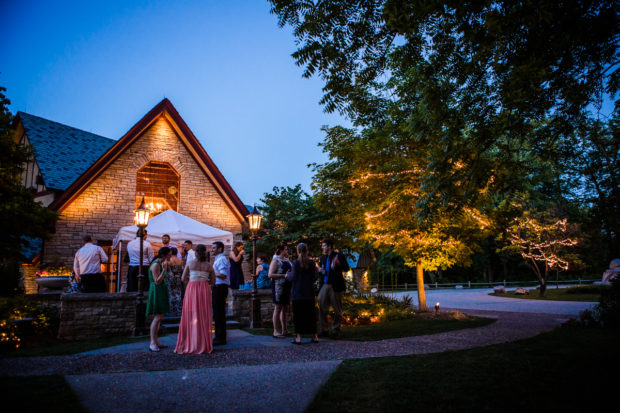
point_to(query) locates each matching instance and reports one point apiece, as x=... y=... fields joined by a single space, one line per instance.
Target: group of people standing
x=295 y=283
x=203 y=301
x=185 y=281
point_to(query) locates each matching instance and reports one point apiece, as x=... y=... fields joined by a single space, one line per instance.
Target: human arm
x=158 y=274
x=220 y=267
x=102 y=255
x=185 y=275
x=149 y=252
x=211 y=271
x=292 y=274
x=236 y=256
x=273 y=270
x=76 y=269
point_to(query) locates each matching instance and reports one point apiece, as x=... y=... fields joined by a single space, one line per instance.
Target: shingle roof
x=62 y=152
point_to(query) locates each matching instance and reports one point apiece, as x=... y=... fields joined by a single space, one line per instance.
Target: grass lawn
x=585 y=293
x=566 y=370
x=50 y=346
x=417 y=326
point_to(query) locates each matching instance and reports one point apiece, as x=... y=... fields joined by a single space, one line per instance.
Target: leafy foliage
x=290 y=216
x=20 y=215
x=459 y=108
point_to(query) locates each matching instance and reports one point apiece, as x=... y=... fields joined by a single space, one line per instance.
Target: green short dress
x=158 y=301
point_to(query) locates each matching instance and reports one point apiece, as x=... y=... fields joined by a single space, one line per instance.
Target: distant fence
x=469 y=284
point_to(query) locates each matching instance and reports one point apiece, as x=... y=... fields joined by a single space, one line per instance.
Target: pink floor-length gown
x=195 y=331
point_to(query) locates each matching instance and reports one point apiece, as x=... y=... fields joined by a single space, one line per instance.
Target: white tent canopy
x=179 y=227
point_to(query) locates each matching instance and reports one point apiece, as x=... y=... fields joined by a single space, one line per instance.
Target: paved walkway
x=262 y=374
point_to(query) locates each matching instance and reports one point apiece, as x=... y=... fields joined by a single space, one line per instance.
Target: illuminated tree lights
x=540 y=244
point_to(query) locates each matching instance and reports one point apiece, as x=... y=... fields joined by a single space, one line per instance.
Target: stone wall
x=108 y=203
x=96 y=315
x=242 y=302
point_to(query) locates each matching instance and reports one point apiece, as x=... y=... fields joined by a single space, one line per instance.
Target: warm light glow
x=141 y=219
x=254 y=220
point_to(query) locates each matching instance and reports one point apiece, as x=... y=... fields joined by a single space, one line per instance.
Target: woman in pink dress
x=197 y=317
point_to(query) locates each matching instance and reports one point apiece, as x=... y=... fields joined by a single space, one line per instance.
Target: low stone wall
x=242 y=300
x=96 y=315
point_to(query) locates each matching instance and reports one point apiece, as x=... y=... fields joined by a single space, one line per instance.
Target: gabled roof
x=166 y=109
x=63 y=153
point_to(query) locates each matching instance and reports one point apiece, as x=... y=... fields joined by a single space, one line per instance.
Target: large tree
x=20 y=216
x=477 y=81
x=472 y=104
x=290 y=217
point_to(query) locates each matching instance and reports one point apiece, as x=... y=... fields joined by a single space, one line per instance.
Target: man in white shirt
x=133 y=250
x=188 y=252
x=220 y=292
x=87 y=267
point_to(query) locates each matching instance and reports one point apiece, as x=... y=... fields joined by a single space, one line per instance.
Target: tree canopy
x=458 y=109
x=20 y=215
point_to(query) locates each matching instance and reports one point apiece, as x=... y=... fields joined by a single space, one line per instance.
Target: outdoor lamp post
x=254 y=220
x=141 y=219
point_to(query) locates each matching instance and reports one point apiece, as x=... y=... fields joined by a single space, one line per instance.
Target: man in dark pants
x=133 y=251
x=220 y=292
x=332 y=285
x=87 y=267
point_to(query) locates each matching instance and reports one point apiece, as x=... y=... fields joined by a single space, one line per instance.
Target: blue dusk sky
x=225 y=65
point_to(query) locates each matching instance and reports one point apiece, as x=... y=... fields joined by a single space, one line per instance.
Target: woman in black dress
x=236 y=271
x=303 y=276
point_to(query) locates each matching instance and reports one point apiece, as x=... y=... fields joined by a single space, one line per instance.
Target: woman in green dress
x=158 y=302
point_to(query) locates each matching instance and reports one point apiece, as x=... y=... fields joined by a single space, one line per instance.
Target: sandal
x=296 y=342
x=153 y=349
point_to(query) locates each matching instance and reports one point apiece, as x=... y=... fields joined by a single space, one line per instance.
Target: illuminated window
x=159 y=183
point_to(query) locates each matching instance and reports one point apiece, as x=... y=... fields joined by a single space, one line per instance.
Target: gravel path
x=508 y=327
x=250 y=373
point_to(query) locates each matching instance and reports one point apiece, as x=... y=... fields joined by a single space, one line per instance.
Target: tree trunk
x=420 y=280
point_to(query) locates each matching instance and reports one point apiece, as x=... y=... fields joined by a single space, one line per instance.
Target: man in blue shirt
x=331 y=286
x=220 y=292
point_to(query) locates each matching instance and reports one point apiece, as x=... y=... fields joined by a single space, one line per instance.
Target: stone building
x=96 y=183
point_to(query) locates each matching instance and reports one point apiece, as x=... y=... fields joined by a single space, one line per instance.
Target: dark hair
x=281 y=246
x=238 y=243
x=87 y=238
x=138 y=233
x=163 y=251
x=302 y=255
x=174 y=250
x=219 y=245
x=165 y=235
x=201 y=253
x=328 y=242
x=262 y=256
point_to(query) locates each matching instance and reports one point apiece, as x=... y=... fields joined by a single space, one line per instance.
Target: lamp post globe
x=141 y=219
x=254 y=221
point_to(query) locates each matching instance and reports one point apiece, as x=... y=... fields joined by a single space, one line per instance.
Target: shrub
x=45 y=320
x=608 y=309
x=360 y=309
